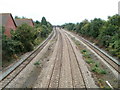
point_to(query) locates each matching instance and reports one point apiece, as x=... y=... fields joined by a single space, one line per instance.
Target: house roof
x=4 y=18
x=22 y=21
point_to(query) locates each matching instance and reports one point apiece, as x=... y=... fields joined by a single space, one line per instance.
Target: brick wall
x=9 y=25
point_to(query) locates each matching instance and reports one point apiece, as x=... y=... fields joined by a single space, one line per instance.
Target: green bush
x=98 y=70
x=107 y=33
x=24 y=38
x=26 y=35
x=89 y=61
x=86 y=55
x=96 y=64
x=83 y=51
x=37 y=63
x=102 y=71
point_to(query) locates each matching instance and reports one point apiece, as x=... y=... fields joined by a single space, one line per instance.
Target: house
x=7 y=21
x=22 y=21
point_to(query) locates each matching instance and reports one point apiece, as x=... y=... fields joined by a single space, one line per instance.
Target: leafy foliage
x=106 y=32
x=26 y=35
x=69 y=26
x=10 y=47
x=44 y=28
x=43 y=21
x=24 y=38
x=16 y=17
x=37 y=63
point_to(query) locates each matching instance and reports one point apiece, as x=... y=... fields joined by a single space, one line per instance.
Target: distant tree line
x=17 y=17
x=107 y=33
x=24 y=39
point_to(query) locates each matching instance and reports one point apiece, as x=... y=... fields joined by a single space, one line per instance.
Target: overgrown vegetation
x=95 y=65
x=106 y=33
x=100 y=73
x=37 y=63
x=24 y=39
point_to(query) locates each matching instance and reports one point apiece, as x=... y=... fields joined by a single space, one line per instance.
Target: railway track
x=108 y=59
x=66 y=68
x=85 y=73
x=115 y=64
x=49 y=74
x=8 y=75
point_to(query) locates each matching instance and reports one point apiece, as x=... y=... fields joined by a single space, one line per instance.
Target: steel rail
x=38 y=49
x=113 y=62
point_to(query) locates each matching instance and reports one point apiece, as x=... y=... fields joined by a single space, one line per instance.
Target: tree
x=44 y=31
x=16 y=17
x=107 y=32
x=24 y=17
x=85 y=29
x=69 y=26
x=10 y=47
x=23 y=39
x=43 y=28
x=43 y=21
x=114 y=20
x=26 y=35
x=84 y=26
x=37 y=22
x=49 y=25
x=95 y=26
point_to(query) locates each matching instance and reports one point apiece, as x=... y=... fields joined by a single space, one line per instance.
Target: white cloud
x=60 y=11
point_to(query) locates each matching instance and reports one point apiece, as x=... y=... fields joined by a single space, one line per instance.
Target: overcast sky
x=60 y=11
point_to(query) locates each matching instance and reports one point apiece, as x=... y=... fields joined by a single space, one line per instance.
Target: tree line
x=24 y=39
x=106 y=32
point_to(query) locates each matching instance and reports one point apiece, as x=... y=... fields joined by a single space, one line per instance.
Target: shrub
x=89 y=61
x=96 y=64
x=98 y=70
x=37 y=63
x=83 y=51
x=26 y=35
x=101 y=71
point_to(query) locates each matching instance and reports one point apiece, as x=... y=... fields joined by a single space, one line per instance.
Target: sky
x=59 y=12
